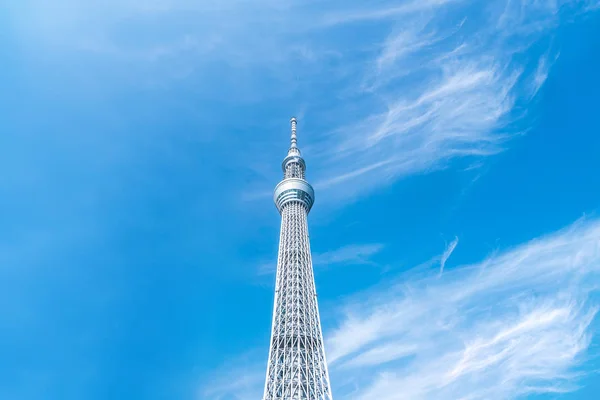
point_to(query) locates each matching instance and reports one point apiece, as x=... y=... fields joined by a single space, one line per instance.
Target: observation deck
x=294 y=190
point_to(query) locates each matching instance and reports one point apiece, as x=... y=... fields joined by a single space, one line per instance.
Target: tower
x=297 y=369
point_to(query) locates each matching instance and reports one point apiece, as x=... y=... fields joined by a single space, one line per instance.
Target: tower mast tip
x=294 y=139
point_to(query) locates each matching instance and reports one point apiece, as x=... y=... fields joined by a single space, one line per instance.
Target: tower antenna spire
x=294 y=138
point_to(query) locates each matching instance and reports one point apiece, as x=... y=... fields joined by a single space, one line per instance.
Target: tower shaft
x=297 y=368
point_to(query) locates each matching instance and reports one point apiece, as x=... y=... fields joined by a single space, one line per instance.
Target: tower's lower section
x=297 y=368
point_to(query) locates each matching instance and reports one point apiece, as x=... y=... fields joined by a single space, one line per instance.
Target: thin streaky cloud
x=541 y=72
x=404 y=47
x=381 y=13
x=518 y=320
x=351 y=254
x=380 y=355
x=455 y=116
x=235 y=380
x=447 y=253
x=448 y=85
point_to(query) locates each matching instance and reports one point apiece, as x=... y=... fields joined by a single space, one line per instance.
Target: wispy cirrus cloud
x=515 y=323
x=447 y=253
x=541 y=72
x=351 y=254
x=449 y=82
x=380 y=11
x=238 y=379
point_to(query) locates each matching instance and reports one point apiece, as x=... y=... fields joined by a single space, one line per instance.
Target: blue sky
x=453 y=146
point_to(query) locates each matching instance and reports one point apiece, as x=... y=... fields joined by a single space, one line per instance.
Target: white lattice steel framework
x=297 y=368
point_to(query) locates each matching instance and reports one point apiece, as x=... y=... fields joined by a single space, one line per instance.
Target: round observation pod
x=293 y=158
x=294 y=190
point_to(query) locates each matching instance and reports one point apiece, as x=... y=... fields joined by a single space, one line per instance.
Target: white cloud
x=448 y=82
x=514 y=323
x=239 y=379
x=541 y=73
x=351 y=254
x=447 y=253
x=455 y=116
x=386 y=11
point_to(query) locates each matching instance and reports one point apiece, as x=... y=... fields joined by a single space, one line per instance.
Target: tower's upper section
x=293 y=187
x=293 y=165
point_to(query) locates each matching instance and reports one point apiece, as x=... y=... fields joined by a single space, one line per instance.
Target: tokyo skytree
x=297 y=368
